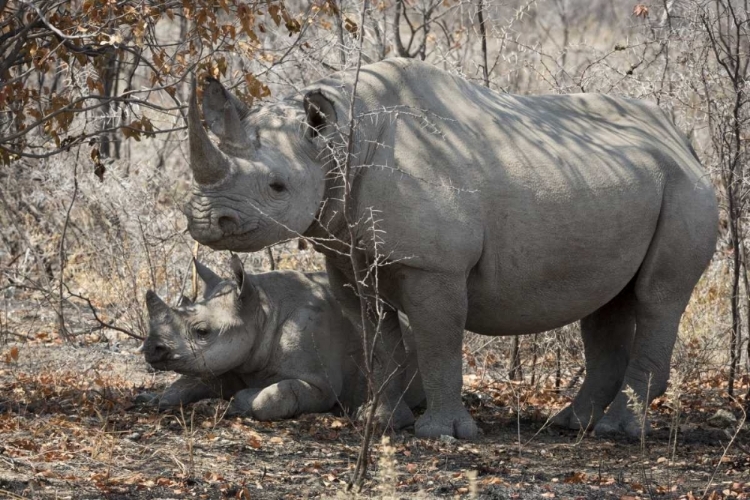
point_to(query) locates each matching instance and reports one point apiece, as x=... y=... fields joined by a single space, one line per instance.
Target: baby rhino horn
x=244 y=287
x=156 y=307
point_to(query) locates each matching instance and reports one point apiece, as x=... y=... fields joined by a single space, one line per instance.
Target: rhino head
x=264 y=181
x=208 y=337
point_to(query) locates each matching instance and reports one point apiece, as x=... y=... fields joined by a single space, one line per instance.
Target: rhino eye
x=278 y=186
x=201 y=332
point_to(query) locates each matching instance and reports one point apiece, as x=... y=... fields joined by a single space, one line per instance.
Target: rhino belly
x=542 y=272
x=534 y=304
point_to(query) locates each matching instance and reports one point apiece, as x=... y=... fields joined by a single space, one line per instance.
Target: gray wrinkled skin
x=501 y=214
x=276 y=344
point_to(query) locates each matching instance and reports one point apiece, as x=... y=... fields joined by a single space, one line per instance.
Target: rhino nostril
x=159 y=351
x=227 y=223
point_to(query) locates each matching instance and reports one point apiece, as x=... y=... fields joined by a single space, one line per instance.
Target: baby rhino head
x=208 y=337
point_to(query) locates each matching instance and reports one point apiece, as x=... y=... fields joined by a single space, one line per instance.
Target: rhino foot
x=242 y=404
x=235 y=410
x=162 y=402
x=457 y=423
x=166 y=403
x=627 y=424
x=387 y=417
x=147 y=399
x=576 y=418
x=395 y=418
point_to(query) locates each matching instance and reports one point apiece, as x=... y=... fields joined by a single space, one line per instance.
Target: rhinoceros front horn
x=208 y=163
x=156 y=306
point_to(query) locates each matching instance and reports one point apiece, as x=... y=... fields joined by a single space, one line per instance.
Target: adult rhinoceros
x=501 y=214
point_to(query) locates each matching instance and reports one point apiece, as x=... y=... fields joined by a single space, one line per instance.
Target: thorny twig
x=99 y=320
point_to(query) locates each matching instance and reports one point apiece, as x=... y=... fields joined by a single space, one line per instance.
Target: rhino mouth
x=219 y=237
x=229 y=241
x=166 y=363
x=161 y=366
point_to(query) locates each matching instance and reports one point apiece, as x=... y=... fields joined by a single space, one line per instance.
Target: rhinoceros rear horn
x=224 y=114
x=208 y=163
x=238 y=271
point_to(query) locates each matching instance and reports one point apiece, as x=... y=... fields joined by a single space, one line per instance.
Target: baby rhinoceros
x=276 y=344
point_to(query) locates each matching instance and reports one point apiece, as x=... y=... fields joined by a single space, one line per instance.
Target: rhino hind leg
x=647 y=373
x=607 y=341
x=680 y=250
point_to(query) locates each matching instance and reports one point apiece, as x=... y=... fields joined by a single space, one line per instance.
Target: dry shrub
x=701 y=348
x=125 y=235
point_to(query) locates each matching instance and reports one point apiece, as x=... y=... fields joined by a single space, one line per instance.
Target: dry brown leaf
x=575 y=478
x=254 y=440
x=640 y=10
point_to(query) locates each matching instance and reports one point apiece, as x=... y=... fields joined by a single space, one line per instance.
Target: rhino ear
x=244 y=287
x=156 y=307
x=224 y=114
x=210 y=279
x=320 y=113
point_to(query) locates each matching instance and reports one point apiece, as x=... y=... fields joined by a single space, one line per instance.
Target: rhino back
x=547 y=200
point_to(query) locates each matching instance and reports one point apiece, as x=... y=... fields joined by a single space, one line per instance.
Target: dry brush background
x=94 y=171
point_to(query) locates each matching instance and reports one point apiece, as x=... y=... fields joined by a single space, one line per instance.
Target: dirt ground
x=69 y=428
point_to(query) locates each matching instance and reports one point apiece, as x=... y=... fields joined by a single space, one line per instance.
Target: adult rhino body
x=501 y=214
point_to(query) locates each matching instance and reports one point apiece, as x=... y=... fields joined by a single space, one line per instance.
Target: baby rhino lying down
x=276 y=343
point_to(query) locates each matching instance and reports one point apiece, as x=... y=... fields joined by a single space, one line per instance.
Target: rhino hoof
x=235 y=410
x=146 y=399
x=457 y=423
x=387 y=417
x=397 y=418
x=569 y=418
x=612 y=427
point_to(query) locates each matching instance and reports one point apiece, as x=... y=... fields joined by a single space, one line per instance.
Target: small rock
x=134 y=436
x=722 y=419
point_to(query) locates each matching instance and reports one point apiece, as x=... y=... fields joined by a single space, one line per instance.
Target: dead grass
x=75 y=433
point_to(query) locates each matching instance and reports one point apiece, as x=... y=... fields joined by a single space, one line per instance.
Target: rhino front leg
x=607 y=341
x=390 y=354
x=285 y=399
x=436 y=306
x=186 y=390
